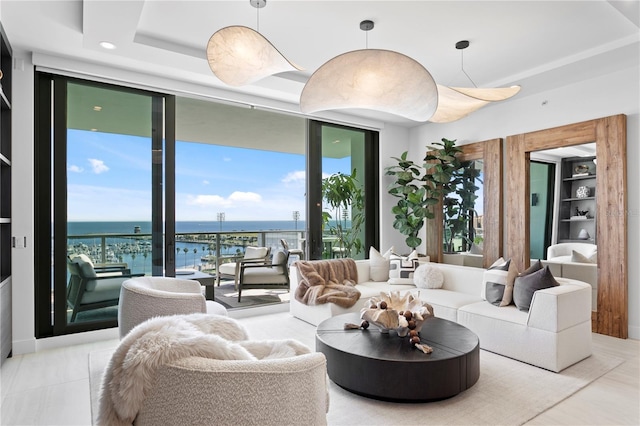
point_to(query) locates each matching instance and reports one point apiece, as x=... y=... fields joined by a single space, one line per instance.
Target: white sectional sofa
x=554 y=334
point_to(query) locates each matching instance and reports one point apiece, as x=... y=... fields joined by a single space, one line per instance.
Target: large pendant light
x=238 y=55
x=374 y=79
x=458 y=102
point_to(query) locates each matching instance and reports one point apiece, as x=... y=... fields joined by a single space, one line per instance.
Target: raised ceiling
x=536 y=44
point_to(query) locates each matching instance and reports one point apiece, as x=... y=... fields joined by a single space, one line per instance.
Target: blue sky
x=109 y=179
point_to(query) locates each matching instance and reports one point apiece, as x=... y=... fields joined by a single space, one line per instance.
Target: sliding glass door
x=342 y=166
x=102 y=160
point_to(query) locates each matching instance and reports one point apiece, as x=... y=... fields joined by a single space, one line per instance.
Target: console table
x=385 y=366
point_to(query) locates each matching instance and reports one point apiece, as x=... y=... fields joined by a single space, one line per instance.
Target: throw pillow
x=535 y=266
x=579 y=257
x=403 y=267
x=526 y=285
x=379 y=264
x=501 y=264
x=494 y=282
x=507 y=297
x=428 y=276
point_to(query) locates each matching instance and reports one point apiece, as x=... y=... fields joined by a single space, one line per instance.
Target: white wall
x=616 y=93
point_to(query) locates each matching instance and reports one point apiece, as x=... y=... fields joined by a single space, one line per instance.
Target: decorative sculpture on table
x=404 y=314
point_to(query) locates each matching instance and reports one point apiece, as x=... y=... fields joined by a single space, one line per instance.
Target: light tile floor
x=51 y=387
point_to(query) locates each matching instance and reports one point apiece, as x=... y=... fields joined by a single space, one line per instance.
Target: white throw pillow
x=428 y=276
x=379 y=264
x=403 y=267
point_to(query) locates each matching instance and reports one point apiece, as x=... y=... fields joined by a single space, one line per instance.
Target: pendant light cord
x=462 y=66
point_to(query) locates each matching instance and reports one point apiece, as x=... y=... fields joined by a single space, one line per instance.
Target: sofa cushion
x=379 y=264
x=428 y=275
x=403 y=267
x=526 y=285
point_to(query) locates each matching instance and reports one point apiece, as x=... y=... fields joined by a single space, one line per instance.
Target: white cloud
x=98 y=166
x=205 y=182
x=75 y=169
x=227 y=159
x=298 y=176
x=235 y=199
x=208 y=200
x=252 y=197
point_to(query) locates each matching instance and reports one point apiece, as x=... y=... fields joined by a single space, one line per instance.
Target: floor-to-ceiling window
x=100 y=154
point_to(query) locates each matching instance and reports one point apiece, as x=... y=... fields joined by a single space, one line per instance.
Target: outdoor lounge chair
x=272 y=275
x=92 y=287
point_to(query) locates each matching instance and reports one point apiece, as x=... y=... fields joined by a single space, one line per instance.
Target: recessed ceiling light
x=97 y=108
x=107 y=45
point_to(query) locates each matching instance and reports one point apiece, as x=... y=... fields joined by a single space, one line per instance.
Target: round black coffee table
x=387 y=367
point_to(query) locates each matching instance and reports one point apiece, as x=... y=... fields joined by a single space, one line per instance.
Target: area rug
x=508 y=392
x=227 y=295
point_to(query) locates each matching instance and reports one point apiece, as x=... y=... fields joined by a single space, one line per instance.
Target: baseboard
x=77 y=338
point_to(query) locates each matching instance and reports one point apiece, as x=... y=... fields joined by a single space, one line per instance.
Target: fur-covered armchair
x=202 y=369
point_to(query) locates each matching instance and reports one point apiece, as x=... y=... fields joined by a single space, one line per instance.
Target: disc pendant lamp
x=238 y=55
x=458 y=102
x=373 y=79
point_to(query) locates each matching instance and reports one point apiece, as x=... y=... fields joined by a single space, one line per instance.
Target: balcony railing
x=194 y=250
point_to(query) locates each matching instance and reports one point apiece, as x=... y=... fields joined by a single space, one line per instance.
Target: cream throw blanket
x=327 y=281
x=162 y=340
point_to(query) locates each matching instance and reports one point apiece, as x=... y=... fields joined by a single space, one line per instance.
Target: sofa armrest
x=559 y=308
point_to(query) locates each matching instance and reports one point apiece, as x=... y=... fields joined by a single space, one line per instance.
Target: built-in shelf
x=569 y=227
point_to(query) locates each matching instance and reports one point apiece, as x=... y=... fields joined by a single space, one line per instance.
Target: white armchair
x=202 y=370
x=564 y=251
x=146 y=297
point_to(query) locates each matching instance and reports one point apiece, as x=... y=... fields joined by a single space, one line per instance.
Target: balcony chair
x=271 y=275
x=92 y=287
x=252 y=255
x=147 y=297
x=292 y=252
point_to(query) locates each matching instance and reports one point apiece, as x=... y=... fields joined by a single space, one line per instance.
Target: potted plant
x=419 y=188
x=411 y=208
x=342 y=192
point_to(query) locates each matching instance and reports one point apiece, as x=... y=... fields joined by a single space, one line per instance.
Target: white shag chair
x=147 y=297
x=199 y=369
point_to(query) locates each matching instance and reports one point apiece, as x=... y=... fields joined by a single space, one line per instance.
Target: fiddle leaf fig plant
x=421 y=187
x=342 y=192
x=410 y=210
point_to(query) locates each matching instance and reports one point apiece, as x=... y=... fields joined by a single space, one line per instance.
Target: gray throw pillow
x=494 y=292
x=526 y=285
x=502 y=266
x=535 y=266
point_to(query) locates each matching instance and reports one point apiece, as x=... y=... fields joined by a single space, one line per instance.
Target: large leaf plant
x=341 y=193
